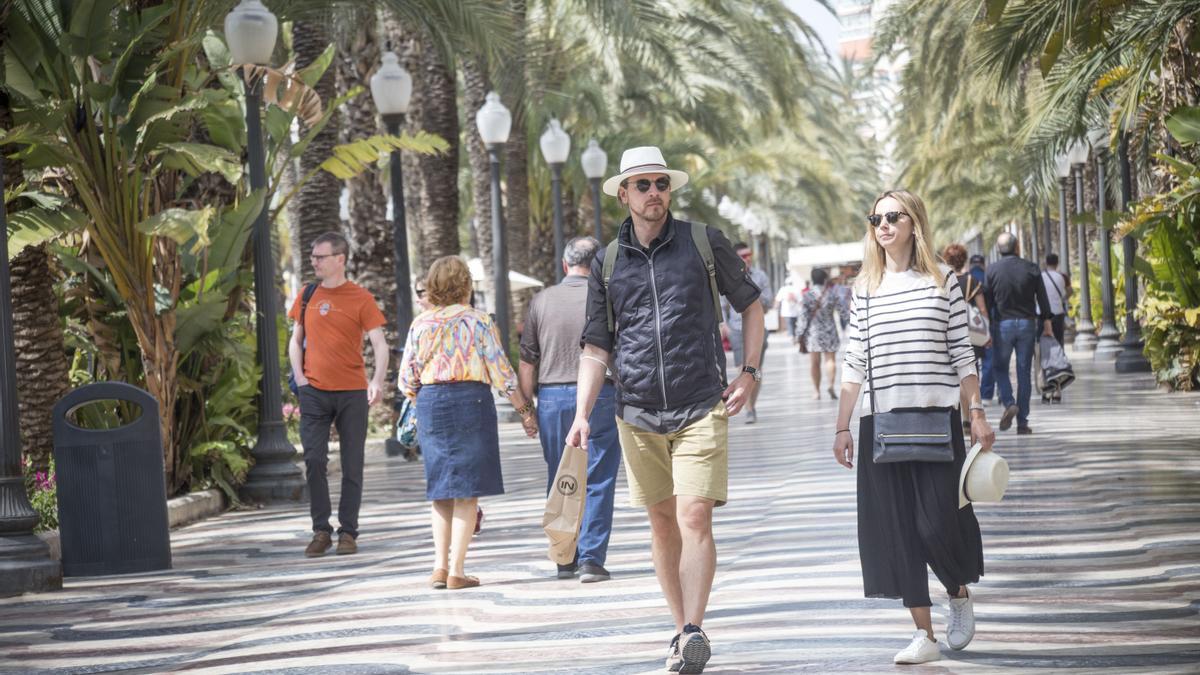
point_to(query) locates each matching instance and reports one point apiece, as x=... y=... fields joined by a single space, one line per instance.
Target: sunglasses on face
x=876 y=219
x=643 y=184
x=420 y=292
x=318 y=258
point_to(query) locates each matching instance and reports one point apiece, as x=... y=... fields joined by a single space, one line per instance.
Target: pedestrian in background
x=452 y=359
x=732 y=327
x=1018 y=298
x=325 y=352
x=987 y=378
x=550 y=353
x=818 y=333
x=908 y=340
x=787 y=302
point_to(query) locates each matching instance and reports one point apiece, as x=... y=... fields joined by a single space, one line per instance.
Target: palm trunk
x=434 y=178
x=475 y=89
x=315 y=209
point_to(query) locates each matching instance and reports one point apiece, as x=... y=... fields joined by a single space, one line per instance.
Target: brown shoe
x=437 y=580
x=1006 y=419
x=320 y=543
x=455 y=583
x=346 y=544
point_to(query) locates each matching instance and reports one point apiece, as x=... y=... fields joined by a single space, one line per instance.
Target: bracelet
x=524 y=410
x=840 y=431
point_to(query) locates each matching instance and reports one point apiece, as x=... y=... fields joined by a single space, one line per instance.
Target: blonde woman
x=909 y=312
x=452 y=359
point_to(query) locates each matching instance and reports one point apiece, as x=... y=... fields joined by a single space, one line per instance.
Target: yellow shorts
x=693 y=461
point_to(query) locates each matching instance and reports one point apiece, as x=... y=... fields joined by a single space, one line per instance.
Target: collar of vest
x=625 y=234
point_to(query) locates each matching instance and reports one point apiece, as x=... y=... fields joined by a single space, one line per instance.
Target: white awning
x=824 y=255
x=516 y=280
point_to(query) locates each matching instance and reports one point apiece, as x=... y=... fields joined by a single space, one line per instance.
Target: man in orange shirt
x=327 y=364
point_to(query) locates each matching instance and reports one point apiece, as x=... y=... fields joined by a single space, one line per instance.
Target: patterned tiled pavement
x=1093 y=563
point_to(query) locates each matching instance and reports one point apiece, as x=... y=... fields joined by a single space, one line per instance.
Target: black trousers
x=347 y=410
x=1058 y=325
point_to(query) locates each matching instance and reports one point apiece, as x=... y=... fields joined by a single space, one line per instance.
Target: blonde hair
x=923 y=261
x=448 y=282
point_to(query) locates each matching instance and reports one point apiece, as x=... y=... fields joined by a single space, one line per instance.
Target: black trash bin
x=112 y=501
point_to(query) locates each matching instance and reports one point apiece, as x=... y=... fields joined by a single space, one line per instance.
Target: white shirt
x=789 y=305
x=920 y=348
x=1056 y=291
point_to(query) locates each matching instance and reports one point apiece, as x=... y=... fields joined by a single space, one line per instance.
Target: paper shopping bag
x=564 y=505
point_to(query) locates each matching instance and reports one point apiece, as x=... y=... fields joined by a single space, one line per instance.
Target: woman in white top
x=921 y=357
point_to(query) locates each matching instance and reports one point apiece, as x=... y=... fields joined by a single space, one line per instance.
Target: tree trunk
x=475 y=88
x=372 y=261
x=434 y=109
x=315 y=209
x=516 y=151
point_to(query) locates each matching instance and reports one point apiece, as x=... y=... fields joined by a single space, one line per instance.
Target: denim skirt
x=460 y=445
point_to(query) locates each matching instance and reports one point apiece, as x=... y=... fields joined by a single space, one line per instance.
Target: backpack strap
x=304 y=298
x=700 y=238
x=610 y=262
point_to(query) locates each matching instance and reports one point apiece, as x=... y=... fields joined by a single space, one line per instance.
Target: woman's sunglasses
x=420 y=292
x=643 y=184
x=876 y=219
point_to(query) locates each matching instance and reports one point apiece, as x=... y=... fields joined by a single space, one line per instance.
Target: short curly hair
x=448 y=282
x=955 y=255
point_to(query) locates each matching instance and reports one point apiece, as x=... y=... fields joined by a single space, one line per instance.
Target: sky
x=821 y=19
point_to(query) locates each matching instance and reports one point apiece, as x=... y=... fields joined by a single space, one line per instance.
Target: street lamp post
x=556 y=147
x=1034 y=244
x=1131 y=359
x=1085 y=331
x=1108 y=344
x=1062 y=168
x=1047 y=244
x=494 y=123
x=251 y=30
x=25 y=562
x=391 y=89
x=595 y=162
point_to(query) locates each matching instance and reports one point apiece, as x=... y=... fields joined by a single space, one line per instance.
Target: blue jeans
x=987 y=380
x=556 y=412
x=1018 y=335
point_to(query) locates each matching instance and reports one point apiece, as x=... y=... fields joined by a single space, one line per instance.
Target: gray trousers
x=347 y=410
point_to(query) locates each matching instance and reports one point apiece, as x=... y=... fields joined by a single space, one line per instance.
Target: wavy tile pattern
x=1093 y=564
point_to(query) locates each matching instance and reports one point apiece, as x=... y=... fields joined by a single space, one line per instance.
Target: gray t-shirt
x=553 y=325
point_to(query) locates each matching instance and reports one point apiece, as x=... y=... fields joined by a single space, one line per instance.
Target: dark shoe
x=478 y=520
x=437 y=580
x=346 y=544
x=1023 y=430
x=567 y=571
x=590 y=573
x=1007 y=418
x=455 y=583
x=320 y=543
x=694 y=648
x=832 y=393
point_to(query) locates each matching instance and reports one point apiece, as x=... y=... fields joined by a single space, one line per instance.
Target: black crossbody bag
x=912 y=435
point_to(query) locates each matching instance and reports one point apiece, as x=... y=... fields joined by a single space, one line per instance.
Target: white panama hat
x=984 y=477
x=637 y=161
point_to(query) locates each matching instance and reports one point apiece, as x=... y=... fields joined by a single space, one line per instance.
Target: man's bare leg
x=698 y=555
x=666 y=548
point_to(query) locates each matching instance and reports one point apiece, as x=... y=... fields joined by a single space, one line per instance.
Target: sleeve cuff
x=852 y=376
x=965 y=371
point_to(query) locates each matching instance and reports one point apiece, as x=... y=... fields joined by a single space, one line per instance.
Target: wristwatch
x=754 y=372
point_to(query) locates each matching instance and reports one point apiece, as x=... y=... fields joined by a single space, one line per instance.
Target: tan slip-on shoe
x=320 y=543
x=455 y=583
x=437 y=580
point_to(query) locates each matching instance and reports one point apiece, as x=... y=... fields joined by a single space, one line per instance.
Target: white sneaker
x=920 y=650
x=961 y=629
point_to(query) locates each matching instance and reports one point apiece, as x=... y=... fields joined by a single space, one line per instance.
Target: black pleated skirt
x=908 y=518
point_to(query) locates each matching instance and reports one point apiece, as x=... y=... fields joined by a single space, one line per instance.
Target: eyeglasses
x=663 y=184
x=876 y=219
x=318 y=258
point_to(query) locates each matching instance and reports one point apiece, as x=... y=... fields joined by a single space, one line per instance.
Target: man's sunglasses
x=643 y=184
x=876 y=219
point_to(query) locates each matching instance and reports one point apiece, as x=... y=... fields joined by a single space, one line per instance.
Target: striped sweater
x=920 y=349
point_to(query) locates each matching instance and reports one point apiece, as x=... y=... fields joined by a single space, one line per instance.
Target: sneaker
x=1023 y=430
x=590 y=573
x=346 y=544
x=674 y=660
x=1007 y=418
x=751 y=417
x=961 y=629
x=567 y=571
x=320 y=543
x=694 y=649
x=920 y=650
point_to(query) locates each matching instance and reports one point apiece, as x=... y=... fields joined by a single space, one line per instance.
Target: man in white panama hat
x=654 y=307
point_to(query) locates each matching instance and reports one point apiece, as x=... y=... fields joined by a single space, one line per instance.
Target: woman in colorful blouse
x=452 y=357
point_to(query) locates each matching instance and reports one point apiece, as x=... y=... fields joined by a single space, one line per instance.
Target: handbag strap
x=866 y=323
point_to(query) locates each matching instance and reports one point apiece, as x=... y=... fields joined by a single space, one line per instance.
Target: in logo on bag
x=567 y=486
